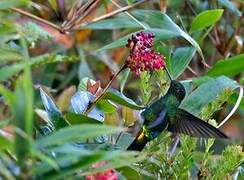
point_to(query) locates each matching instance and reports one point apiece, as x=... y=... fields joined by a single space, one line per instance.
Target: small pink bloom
x=109 y=174
x=142 y=57
x=141 y=41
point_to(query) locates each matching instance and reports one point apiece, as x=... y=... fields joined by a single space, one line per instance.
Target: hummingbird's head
x=177 y=89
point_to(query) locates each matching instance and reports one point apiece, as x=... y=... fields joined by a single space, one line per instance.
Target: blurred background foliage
x=57 y=55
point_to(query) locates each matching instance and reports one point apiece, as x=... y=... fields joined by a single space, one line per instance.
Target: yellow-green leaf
x=206 y=18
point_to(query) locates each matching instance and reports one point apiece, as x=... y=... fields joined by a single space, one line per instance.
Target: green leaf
x=206 y=18
x=51 y=58
x=229 y=67
x=180 y=60
x=5 y=143
x=121 y=21
x=54 y=5
x=23 y=111
x=121 y=99
x=106 y=106
x=54 y=114
x=22 y=120
x=8 y=95
x=75 y=133
x=10 y=70
x=146 y=87
x=129 y=172
x=84 y=69
x=75 y=119
x=44 y=158
x=234 y=98
x=6 y=4
x=8 y=55
x=123 y=78
x=7 y=28
x=206 y=93
x=229 y=5
x=201 y=80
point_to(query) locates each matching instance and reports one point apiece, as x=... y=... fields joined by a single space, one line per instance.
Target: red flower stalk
x=109 y=174
x=142 y=57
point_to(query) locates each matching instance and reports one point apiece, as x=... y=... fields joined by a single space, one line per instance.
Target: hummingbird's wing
x=189 y=124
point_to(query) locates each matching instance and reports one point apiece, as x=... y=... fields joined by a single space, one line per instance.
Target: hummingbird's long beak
x=167 y=71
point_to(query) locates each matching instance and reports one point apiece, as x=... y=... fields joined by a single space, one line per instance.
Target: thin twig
x=32 y=16
x=118 y=137
x=113 y=13
x=78 y=13
x=91 y=106
x=131 y=16
x=192 y=71
x=168 y=73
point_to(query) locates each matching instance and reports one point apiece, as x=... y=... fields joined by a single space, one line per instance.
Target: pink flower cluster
x=109 y=174
x=142 y=57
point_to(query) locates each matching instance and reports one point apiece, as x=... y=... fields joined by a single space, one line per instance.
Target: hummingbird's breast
x=151 y=113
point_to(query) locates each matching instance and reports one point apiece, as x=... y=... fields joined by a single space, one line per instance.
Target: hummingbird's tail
x=139 y=143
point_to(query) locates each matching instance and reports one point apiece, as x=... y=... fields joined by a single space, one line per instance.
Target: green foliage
x=206 y=93
x=214 y=106
x=229 y=67
x=232 y=157
x=5 y=4
x=8 y=55
x=146 y=87
x=10 y=70
x=205 y=19
x=23 y=112
x=180 y=60
x=75 y=133
x=121 y=99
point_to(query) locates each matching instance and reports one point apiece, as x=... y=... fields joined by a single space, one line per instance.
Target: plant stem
x=192 y=71
x=91 y=106
x=168 y=73
x=113 y=13
x=32 y=16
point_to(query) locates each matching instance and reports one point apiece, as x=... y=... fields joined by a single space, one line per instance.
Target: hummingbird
x=166 y=114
